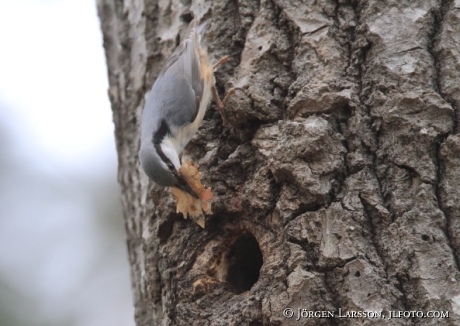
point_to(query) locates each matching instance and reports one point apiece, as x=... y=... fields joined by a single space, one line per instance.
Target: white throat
x=171 y=151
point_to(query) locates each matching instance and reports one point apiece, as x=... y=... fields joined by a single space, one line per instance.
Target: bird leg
x=221 y=61
x=221 y=104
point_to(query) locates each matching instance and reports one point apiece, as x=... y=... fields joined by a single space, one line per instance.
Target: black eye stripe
x=160 y=134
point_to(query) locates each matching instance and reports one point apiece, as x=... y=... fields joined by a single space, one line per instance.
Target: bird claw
x=221 y=104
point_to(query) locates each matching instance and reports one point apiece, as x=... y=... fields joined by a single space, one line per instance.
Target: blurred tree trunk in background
x=340 y=170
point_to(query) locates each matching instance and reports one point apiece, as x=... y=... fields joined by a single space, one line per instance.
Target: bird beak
x=182 y=185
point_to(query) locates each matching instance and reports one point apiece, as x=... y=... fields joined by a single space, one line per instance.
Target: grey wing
x=170 y=104
x=183 y=71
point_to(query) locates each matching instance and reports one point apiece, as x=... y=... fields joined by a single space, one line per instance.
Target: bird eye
x=170 y=166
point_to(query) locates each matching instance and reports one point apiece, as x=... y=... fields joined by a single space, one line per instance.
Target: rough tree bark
x=339 y=176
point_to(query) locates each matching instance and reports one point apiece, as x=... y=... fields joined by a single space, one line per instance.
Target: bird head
x=161 y=163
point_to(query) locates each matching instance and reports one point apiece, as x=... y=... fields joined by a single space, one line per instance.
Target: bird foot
x=221 y=104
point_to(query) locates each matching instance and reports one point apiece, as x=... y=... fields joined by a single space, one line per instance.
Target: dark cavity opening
x=425 y=237
x=245 y=260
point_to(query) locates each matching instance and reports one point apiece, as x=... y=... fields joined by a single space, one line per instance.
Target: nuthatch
x=175 y=109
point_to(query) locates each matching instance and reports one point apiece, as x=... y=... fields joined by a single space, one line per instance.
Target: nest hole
x=244 y=262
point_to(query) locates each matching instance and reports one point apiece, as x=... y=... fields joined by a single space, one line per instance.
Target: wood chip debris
x=186 y=203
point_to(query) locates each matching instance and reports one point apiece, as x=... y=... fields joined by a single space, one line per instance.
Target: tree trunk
x=338 y=175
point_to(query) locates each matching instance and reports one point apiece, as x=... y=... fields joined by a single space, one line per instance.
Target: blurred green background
x=63 y=257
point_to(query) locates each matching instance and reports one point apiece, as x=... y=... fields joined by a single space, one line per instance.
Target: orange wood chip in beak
x=186 y=203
